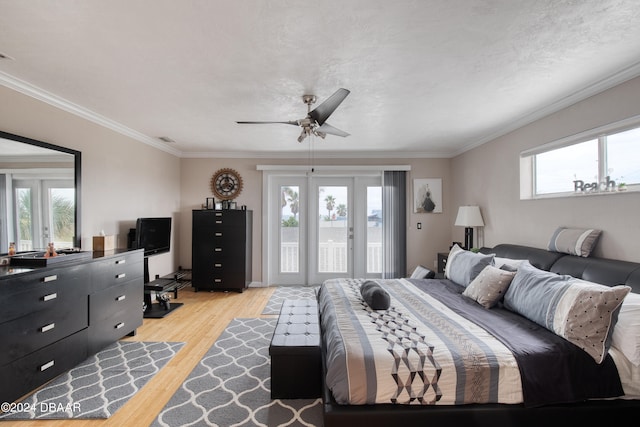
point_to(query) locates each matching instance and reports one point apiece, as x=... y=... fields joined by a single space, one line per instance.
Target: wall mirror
x=39 y=194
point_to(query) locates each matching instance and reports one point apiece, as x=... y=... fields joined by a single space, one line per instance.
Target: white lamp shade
x=469 y=216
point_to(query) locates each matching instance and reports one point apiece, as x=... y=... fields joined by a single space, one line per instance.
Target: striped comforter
x=434 y=346
x=417 y=352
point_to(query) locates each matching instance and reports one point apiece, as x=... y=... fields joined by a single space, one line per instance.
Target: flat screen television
x=154 y=235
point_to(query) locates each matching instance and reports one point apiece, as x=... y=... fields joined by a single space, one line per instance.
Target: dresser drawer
x=116 y=326
x=115 y=300
x=43 y=290
x=27 y=334
x=25 y=374
x=117 y=270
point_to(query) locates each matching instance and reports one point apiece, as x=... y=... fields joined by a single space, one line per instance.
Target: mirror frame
x=77 y=240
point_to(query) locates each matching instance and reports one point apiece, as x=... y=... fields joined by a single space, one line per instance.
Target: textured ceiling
x=427 y=77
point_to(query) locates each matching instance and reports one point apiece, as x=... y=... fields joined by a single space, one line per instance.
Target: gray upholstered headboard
x=608 y=272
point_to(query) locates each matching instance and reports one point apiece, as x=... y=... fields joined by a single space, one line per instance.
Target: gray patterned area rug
x=100 y=385
x=231 y=386
x=288 y=292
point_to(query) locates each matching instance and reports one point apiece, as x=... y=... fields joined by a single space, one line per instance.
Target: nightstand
x=442 y=261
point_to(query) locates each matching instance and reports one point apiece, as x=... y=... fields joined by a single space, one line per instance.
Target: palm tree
x=24 y=207
x=294 y=201
x=331 y=203
x=341 y=210
x=291 y=197
x=63 y=218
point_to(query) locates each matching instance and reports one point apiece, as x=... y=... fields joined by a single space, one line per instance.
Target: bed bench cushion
x=296 y=366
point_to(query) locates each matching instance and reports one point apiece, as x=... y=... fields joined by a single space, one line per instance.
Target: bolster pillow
x=375 y=296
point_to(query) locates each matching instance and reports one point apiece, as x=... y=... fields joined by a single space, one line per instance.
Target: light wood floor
x=198 y=323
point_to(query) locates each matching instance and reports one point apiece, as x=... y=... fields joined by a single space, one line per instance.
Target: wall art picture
x=427 y=195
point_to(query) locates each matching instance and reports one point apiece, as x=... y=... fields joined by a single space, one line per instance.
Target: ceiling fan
x=315 y=122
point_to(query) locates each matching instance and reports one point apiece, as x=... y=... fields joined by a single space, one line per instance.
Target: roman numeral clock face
x=226 y=184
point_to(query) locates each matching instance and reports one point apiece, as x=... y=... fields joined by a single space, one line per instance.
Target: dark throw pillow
x=375 y=296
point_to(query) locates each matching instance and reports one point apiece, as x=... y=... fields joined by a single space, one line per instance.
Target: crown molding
x=316 y=155
x=77 y=110
x=597 y=87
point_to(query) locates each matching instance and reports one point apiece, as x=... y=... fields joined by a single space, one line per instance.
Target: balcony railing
x=332 y=257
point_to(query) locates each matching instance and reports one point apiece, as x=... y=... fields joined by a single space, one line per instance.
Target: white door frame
x=273 y=178
x=314 y=276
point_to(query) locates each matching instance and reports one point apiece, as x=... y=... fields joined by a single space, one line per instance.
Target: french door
x=321 y=227
x=43 y=212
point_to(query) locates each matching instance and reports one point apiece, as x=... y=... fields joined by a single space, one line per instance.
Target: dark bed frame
x=594 y=412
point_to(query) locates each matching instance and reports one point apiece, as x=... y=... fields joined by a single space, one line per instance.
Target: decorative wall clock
x=226 y=184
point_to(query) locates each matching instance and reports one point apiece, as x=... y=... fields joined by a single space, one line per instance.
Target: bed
x=438 y=356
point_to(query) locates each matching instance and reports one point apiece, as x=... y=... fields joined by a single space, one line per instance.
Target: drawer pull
x=218 y=213
x=121 y=276
x=218 y=234
x=121 y=261
x=48 y=327
x=217 y=265
x=50 y=297
x=50 y=278
x=121 y=298
x=47 y=365
x=219 y=221
x=217 y=280
x=218 y=249
x=119 y=325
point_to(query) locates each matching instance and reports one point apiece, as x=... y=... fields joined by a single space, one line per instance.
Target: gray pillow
x=574 y=241
x=375 y=296
x=490 y=286
x=464 y=266
x=583 y=313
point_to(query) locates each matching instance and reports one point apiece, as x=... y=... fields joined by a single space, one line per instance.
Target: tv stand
x=169 y=283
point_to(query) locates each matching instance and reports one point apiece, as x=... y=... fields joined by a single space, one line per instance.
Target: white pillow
x=422 y=273
x=626 y=333
x=455 y=249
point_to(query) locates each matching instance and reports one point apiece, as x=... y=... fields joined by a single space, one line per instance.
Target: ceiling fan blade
x=290 y=122
x=322 y=112
x=330 y=130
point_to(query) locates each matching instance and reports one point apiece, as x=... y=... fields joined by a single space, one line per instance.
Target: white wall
x=489 y=177
x=122 y=179
x=422 y=245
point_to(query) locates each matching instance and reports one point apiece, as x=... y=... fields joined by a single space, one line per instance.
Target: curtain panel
x=394 y=223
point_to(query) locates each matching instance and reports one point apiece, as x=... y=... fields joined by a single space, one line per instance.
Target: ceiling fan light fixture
x=315 y=121
x=303 y=135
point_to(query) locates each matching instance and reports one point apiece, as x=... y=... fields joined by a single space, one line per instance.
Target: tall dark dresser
x=221 y=250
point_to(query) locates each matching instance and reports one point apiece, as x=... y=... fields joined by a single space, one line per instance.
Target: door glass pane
x=374 y=229
x=623 y=152
x=24 y=218
x=333 y=229
x=289 y=229
x=62 y=209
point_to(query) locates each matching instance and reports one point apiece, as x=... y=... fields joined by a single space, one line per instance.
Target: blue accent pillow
x=584 y=313
x=464 y=266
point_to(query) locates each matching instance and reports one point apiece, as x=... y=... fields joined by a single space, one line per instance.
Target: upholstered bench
x=296 y=367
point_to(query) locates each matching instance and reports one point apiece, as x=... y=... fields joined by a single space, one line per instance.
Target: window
x=601 y=161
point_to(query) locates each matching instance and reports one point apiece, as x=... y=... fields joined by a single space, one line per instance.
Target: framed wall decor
x=427 y=195
x=219 y=206
x=210 y=203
